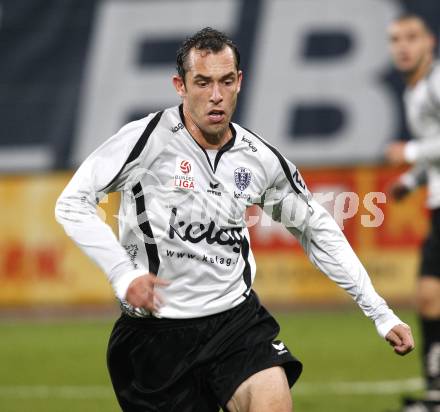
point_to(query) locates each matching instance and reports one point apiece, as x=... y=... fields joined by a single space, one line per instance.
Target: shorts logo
x=185 y=166
x=279 y=347
x=242 y=177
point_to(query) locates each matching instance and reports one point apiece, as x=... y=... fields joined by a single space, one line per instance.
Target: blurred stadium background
x=318 y=84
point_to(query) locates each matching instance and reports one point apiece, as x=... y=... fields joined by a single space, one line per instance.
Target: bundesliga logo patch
x=185 y=166
x=183 y=177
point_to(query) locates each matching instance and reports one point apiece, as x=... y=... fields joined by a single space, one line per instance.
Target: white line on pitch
x=360 y=388
x=47 y=392
x=305 y=389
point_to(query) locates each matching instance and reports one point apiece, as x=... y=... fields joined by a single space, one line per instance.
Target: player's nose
x=216 y=96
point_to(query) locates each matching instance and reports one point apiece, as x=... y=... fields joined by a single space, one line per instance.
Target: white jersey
x=422 y=106
x=182 y=217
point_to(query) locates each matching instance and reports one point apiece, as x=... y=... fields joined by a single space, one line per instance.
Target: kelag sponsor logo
x=178 y=127
x=250 y=143
x=196 y=232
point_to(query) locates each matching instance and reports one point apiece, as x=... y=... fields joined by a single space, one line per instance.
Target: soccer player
x=412 y=49
x=192 y=335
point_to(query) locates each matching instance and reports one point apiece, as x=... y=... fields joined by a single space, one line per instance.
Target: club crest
x=242 y=178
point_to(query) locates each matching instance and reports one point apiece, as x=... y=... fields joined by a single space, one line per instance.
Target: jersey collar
x=227 y=146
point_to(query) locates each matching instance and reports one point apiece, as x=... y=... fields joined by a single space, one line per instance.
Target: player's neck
x=207 y=142
x=420 y=72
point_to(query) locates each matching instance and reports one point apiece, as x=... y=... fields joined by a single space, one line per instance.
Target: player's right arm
x=104 y=171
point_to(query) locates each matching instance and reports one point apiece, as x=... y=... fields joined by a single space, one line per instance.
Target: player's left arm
x=290 y=202
x=414 y=151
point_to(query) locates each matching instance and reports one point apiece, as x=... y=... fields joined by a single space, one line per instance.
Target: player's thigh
x=267 y=390
x=428 y=296
x=153 y=366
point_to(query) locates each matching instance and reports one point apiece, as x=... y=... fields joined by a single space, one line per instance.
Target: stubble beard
x=409 y=73
x=216 y=137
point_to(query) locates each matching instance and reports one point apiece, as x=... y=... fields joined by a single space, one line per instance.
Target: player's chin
x=217 y=129
x=405 y=67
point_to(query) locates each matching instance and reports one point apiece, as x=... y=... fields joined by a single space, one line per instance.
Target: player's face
x=410 y=43
x=209 y=93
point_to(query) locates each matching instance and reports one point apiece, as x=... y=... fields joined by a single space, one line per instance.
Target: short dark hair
x=410 y=16
x=205 y=39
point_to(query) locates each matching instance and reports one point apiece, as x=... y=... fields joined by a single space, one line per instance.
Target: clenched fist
x=142 y=292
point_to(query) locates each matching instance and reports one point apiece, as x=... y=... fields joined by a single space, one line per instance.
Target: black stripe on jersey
x=150 y=245
x=247 y=267
x=283 y=162
x=139 y=146
x=182 y=118
x=228 y=145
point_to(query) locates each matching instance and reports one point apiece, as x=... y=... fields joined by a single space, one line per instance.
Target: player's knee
x=264 y=391
x=282 y=402
x=428 y=306
x=428 y=297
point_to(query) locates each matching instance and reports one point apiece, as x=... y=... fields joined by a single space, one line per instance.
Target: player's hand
x=395 y=153
x=142 y=292
x=401 y=339
x=398 y=191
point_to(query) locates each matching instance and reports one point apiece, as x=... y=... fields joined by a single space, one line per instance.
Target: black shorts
x=193 y=365
x=430 y=264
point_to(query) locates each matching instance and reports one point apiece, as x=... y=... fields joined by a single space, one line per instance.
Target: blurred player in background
x=193 y=335
x=412 y=48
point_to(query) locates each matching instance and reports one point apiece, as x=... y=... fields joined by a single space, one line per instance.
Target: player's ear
x=240 y=78
x=432 y=43
x=179 y=85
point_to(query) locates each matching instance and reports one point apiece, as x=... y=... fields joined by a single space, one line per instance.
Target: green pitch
x=60 y=365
